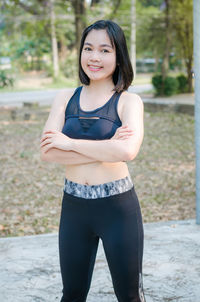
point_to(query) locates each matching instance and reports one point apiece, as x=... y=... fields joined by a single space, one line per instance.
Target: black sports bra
x=97 y=124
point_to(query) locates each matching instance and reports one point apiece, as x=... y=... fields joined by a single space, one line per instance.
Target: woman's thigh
x=122 y=237
x=77 y=248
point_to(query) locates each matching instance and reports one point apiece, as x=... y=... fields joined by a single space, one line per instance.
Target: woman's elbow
x=130 y=152
x=128 y=155
x=124 y=154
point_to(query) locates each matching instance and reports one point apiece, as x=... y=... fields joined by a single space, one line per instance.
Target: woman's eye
x=105 y=50
x=87 y=48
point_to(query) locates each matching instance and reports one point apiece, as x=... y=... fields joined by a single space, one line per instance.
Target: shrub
x=5 y=79
x=168 y=87
x=182 y=83
x=157 y=83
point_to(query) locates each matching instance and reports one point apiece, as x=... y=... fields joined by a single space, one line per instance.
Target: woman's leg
x=122 y=239
x=77 y=249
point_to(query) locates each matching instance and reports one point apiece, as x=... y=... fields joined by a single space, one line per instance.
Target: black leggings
x=117 y=221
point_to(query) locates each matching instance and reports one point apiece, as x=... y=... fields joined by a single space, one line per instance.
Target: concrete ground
x=29 y=266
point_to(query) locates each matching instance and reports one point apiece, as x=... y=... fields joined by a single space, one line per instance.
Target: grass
x=163 y=172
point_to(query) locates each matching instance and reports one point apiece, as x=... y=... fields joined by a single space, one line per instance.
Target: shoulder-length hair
x=123 y=74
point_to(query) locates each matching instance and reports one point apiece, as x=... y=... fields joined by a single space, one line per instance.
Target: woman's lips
x=94 y=68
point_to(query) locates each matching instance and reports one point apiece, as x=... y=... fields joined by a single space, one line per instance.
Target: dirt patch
x=163 y=172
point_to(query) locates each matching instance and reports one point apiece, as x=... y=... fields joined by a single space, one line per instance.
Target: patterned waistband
x=98 y=191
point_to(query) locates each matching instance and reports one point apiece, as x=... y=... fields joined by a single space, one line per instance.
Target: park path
x=45 y=97
x=29 y=266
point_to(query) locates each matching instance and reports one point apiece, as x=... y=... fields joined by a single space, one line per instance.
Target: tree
x=167 y=40
x=133 y=35
x=37 y=24
x=151 y=32
x=54 y=40
x=182 y=22
x=45 y=8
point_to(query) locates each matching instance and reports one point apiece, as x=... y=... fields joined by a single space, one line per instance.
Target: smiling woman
x=93 y=131
x=99 y=56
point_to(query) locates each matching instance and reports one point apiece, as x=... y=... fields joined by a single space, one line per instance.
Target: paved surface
x=45 y=97
x=183 y=103
x=184 y=99
x=29 y=266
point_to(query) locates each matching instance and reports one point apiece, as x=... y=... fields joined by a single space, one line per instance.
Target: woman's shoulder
x=129 y=99
x=64 y=95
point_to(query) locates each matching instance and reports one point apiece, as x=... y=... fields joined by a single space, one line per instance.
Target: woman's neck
x=100 y=87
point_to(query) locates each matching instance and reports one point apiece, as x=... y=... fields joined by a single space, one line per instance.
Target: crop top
x=97 y=124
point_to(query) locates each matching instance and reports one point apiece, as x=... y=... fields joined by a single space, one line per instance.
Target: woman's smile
x=94 y=68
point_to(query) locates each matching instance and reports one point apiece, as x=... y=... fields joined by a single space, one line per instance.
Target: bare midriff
x=97 y=172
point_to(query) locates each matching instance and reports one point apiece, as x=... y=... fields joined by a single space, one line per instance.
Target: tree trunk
x=79 y=7
x=156 y=56
x=62 y=50
x=189 y=74
x=133 y=35
x=54 y=41
x=165 y=62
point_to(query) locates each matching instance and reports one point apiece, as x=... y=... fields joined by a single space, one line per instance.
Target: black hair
x=123 y=74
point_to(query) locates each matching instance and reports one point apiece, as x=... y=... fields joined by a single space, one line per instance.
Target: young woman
x=94 y=131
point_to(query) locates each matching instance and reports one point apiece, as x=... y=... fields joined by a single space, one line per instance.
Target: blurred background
x=39 y=42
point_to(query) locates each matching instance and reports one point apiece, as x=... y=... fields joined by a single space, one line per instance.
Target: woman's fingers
x=123 y=132
x=124 y=137
x=47 y=147
x=48 y=134
x=124 y=128
x=126 y=131
x=45 y=142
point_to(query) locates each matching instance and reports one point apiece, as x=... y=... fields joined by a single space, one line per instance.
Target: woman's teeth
x=94 y=67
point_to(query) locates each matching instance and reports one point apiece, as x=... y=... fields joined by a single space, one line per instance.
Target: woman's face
x=98 y=57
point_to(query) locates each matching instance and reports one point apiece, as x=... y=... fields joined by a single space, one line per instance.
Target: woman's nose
x=94 y=56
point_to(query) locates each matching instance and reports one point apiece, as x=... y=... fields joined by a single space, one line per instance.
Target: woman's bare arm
x=111 y=150
x=118 y=150
x=65 y=157
x=55 y=121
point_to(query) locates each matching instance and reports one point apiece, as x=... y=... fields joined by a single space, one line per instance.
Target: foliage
x=170 y=85
x=157 y=83
x=182 y=22
x=182 y=83
x=5 y=79
x=156 y=3
x=69 y=68
x=25 y=31
x=150 y=31
x=167 y=87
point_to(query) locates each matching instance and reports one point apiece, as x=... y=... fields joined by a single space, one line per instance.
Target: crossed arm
x=123 y=146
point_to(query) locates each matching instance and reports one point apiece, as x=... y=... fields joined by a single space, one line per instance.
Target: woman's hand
x=122 y=132
x=55 y=139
